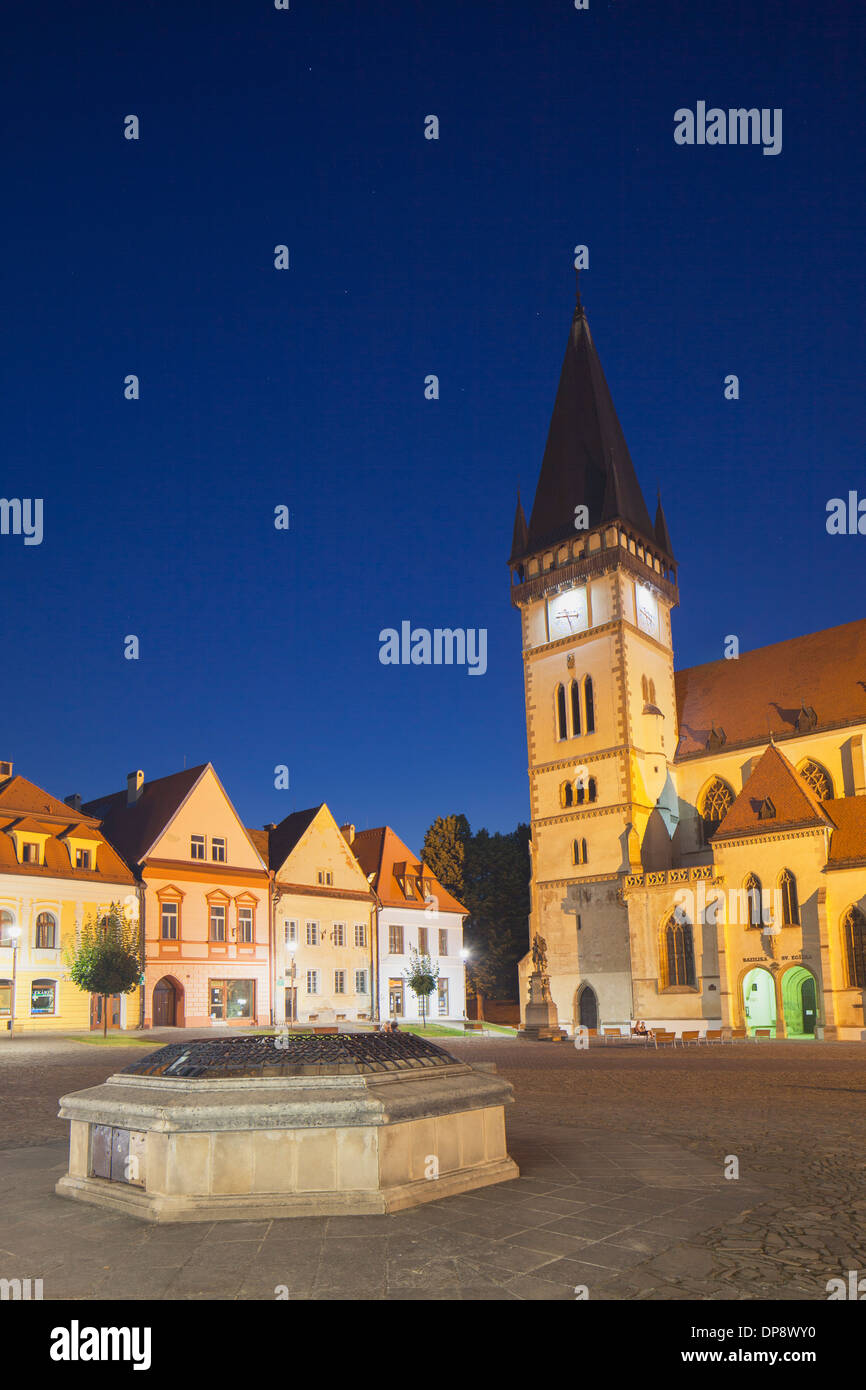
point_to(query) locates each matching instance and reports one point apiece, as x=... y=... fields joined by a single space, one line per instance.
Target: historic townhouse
x=206 y=892
x=414 y=911
x=323 y=939
x=56 y=870
x=698 y=836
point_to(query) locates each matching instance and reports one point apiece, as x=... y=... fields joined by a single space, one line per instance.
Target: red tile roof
x=848 y=841
x=134 y=829
x=381 y=852
x=24 y=806
x=773 y=779
x=763 y=691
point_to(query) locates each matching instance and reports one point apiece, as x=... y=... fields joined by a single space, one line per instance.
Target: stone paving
x=622 y=1191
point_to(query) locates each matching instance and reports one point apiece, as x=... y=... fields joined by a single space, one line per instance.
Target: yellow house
x=56 y=869
x=323 y=920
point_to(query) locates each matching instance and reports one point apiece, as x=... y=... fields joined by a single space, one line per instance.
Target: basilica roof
x=773 y=798
x=788 y=688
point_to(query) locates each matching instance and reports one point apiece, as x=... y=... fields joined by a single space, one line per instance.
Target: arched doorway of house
x=167 y=1003
x=800 y=1002
x=759 y=1000
x=587 y=1007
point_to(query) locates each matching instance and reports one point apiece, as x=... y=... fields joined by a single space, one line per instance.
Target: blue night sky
x=306 y=387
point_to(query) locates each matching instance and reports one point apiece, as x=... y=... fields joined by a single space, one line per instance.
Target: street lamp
x=12 y=934
x=292 y=947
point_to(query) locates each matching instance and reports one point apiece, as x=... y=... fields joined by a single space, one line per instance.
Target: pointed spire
x=586 y=459
x=518 y=542
x=662 y=533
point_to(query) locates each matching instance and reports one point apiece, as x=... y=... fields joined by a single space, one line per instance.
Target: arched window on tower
x=677 y=952
x=715 y=804
x=790 y=905
x=591 y=789
x=854 y=930
x=818 y=778
x=575 y=709
x=652 y=692
x=752 y=888
x=644 y=685
x=566 y=793
x=589 y=704
x=561 y=725
x=578 y=851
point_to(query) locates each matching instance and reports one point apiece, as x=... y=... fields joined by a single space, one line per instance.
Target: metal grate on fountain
x=342 y=1054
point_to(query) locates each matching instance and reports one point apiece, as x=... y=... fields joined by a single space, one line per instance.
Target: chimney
x=74 y=801
x=134 y=784
x=271 y=825
x=5 y=769
x=348 y=833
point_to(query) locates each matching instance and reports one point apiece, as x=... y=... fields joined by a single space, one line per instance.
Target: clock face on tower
x=647 y=611
x=567 y=613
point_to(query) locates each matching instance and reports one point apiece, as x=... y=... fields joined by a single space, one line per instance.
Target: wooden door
x=164 y=1005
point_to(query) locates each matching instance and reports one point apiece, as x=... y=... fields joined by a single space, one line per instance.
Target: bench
x=713 y=1035
x=762 y=1033
x=610 y=1033
x=473 y=1025
x=693 y=1036
x=664 y=1038
x=326 y=1028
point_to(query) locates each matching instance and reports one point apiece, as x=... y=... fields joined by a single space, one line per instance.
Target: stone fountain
x=262 y=1127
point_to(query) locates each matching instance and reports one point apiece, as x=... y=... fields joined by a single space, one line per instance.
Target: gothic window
x=644 y=685
x=678 y=952
x=818 y=778
x=561 y=725
x=591 y=789
x=566 y=793
x=578 y=851
x=575 y=709
x=854 y=928
x=589 y=703
x=752 y=887
x=652 y=692
x=717 y=801
x=790 y=905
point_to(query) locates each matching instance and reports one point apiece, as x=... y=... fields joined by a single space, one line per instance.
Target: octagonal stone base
x=206 y=1150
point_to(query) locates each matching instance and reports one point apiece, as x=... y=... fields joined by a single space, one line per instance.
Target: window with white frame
x=312 y=933
x=360 y=982
x=218 y=850
x=82 y=859
x=339 y=933
x=312 y=981
x=245 y=924
x=196 y=846
x=395 y=940
x=291 y=932
x=325 y=877
x=169 y=914
x=360 y=934
x=339 y=982
x=443 y=942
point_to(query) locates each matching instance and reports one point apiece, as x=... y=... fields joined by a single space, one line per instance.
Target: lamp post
x=13 y=933
x=292 y=947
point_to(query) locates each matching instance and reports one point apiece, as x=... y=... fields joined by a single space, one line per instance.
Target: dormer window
x=766 y=810
x=717 y=738
x=82 y=859
x=807 y=719
x=408 y=889
x=30 y=852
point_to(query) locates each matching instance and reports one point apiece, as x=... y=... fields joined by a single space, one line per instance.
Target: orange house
x=206 y=899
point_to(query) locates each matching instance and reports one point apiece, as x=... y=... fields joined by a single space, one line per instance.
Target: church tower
x=594 y=580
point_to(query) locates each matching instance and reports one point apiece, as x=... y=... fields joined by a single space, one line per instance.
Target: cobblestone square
x=622 y=1152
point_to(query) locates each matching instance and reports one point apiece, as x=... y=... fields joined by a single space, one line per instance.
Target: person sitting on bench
x=640 y=1030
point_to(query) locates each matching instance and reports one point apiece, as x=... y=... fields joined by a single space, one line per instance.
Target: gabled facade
x=206 y=897
x=323 y=945
x=56 y=870
x=656 y=796
x=414 y=911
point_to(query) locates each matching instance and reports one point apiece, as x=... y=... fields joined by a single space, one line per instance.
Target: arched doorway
x=759 y=1000
x=167 y=1003
x=587 y=1007
x=800 y=1002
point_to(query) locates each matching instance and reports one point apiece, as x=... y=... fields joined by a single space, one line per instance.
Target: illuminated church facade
x=699 y=835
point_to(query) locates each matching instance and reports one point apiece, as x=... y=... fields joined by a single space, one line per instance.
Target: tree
x=421 y=978
x=490 y=875
x=106 y=959
x=445 y=846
